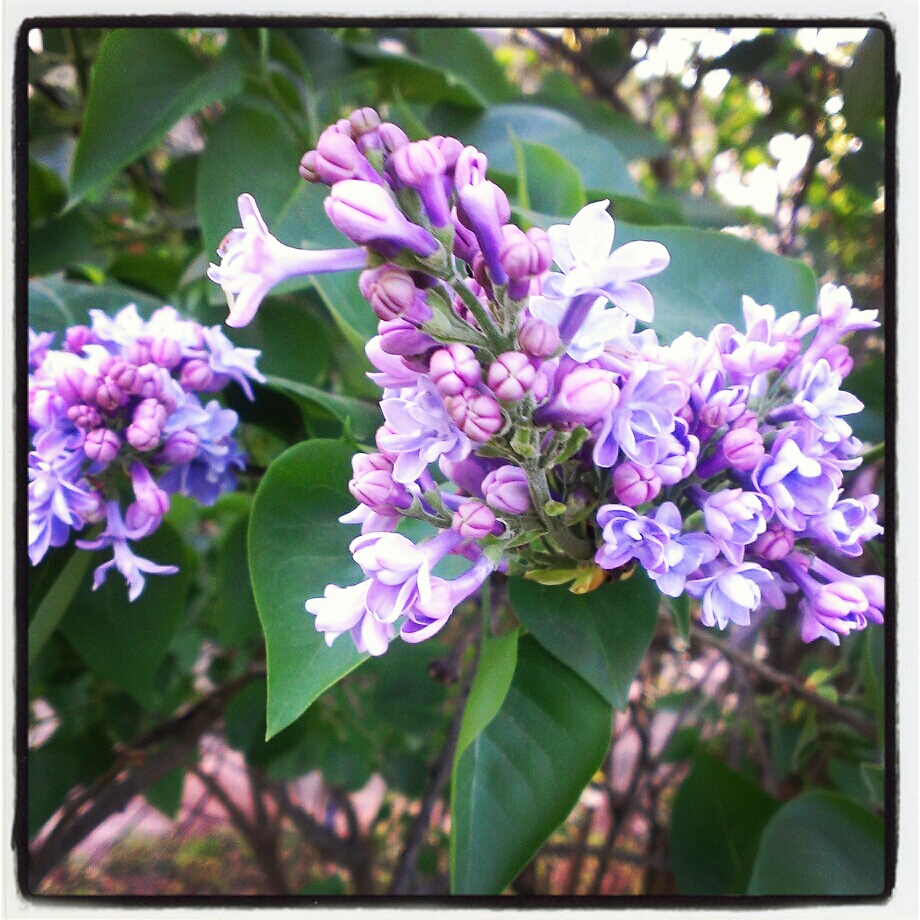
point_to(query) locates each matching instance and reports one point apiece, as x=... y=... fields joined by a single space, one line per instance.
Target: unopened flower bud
x=399 y=337
x=454 y=368
x=840 y=360
x=775 y=543
x=511 y=375
x=150 y=409
x=76 y=337
x=525 y=255
x=101 y=445
x=363 y=120
x=465 y=243
x=181 y=447
x=123 y=373
x=109 y=395
x=635 y=485
x=196 y=375
x=450 y=149
x=392 y=293
x=165 y=352
x=367 y=214
x=84 y=416
x=372 y=482
x=149 y=381
x=138 y=353
x=420 y=166
x=338 y=158
x=537 y=338
x=470 y=168
x=149 y=495
x=307 y=168
x=477 y=415
x=485 y=210
x=72 y=381
x=144 y=434
x=474 y=521
x=584 y=396
x=743 y=448
x=391 y=136
x=507 y=489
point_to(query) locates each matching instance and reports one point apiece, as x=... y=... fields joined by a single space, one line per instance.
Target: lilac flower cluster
x=563 y=438
x=122 y=408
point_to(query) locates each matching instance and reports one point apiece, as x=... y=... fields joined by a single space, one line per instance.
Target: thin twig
x=786 y=682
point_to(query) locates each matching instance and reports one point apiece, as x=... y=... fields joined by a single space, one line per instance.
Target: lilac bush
x=120 y=420
x=529 y=419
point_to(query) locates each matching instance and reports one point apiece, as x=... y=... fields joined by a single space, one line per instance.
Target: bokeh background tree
x=730 y=145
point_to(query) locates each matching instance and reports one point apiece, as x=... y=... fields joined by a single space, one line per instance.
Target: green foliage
x=602 y=635
x=520 y=776
x=716 y=824
x=296 y=547
x=820 y=843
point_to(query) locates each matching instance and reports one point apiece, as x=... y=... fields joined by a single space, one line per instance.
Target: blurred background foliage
x=737 y=148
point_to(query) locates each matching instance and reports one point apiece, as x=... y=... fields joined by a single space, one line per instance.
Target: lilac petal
x=559 y=240
x=640 y=259
x=634 y=299
x=591 y=233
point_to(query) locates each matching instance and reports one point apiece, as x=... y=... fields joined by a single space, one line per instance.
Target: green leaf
x=122 y=641
x=464 y=53
x=602 y=635
x=553 y=184
x=632 y=140
x=863 y=85
x=56 y=601
x=820 y=843
x=416 y=80
x=46 y=192
x=716 y=823
x=364 y=417
x=296 y=547
x=143 y=82
x=60 y=764
x=237 y=620
x=55 y=304
x=497 y=662
x=60 y=242
x=520 y=777
x=248 y=150
x=166 y=793
x=680 y=611
x=598 y=162
x=158 y=273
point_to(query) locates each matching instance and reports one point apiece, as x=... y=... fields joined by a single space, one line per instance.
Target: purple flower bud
x=71 y=382
x=526 y=255
x=467 y=473
x=584 y=396
x=743 y=448
x=420 y=166
x=538 y=339
x=109 y=395
x=101 y=445
x=392 y=137
x=149 y=381
x=196 y=375
x=511 y=375
x=138 y=353
x=373 y=484
x=392 y=293
x=367 y=214
x=84 y=416
x=507 y=489
x=454 y=368
x=150 y=409
x=144 y=434
x=149 y=495
x=470 y=168
x=775 y=543
x=307 y=168
x=450 y=149
x=76 y=337
x=363 y=120
x=123 y=374
x=484 y=209
x=474 y=521
x=165 y=352
x=338 y=158
x=476 y=414
x=181 y=447
x=466 y=246
x=634 y=484
x=399 y=337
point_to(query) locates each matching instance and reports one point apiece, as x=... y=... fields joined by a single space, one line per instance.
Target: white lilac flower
x=582 y=250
